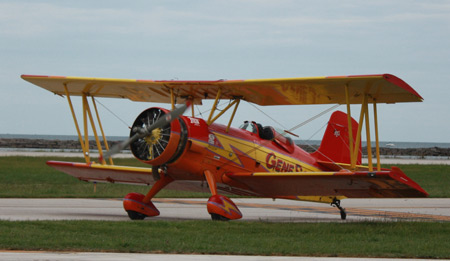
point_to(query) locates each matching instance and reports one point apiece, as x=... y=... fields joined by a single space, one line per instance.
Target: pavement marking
x=324 y=210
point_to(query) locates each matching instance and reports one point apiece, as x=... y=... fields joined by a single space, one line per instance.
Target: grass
x=367 y=239
x=433 y=178
x=30 y=177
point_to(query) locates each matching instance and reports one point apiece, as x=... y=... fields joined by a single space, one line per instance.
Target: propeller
x=142 y=132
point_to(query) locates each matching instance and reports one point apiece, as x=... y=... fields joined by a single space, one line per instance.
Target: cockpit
x=266 y=132
x=269 y=133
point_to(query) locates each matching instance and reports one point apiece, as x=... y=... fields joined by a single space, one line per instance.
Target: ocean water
x=391 y=144
x=55 y=137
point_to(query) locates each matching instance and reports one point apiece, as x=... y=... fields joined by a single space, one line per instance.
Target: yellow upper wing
x=383 y=88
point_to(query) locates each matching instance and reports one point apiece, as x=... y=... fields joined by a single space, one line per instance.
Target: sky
x=210 y=40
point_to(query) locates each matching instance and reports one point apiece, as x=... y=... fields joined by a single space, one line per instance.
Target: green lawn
x=366 y=239
x=435 y=179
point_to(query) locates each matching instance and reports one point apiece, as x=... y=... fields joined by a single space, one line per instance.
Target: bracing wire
x=314 y=117
x=296 y=127
x=115 y=115
x=268 y=116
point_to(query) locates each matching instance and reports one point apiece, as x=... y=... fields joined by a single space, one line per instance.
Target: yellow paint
x=294 y=174
x=350 y=128
x=86 y=156
x=172 y=99
x=232 y=115
x=219 y=92
x=228 y=207
x=94 y=129
x=121 y=168
x=322 y=199
x=369 y=145
x=86 y=132
x=223 y=111
x=283 y=91
x=358 y=134
x=252 y=150
x=375 y=116
x=105 y=142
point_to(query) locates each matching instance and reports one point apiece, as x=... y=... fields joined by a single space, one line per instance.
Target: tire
x=343 y=215
x=133 y=215
x=217 y=217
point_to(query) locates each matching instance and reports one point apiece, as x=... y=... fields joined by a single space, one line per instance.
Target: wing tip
x=402 y=84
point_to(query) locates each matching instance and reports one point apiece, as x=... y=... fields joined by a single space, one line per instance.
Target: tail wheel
x=153 y=145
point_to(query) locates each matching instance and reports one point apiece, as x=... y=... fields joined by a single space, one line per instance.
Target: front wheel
x=217 y=217
x=135 y=215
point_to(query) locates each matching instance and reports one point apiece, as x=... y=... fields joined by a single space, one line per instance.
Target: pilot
x=263 y=132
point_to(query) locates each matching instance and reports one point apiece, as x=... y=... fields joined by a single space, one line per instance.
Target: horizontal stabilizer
x=360 y=184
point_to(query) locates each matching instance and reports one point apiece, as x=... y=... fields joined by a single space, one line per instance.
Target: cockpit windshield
x=249 y=126
x=267 y=132
x=281 y=132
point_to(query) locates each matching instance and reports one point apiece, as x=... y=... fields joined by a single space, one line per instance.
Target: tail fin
x=335 y=144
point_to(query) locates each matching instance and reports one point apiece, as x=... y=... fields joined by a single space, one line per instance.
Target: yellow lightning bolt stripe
x=228 y=143
x=228 y=207
x=255 y=151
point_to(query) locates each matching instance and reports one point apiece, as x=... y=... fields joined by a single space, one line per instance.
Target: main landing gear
x=220 y=207
x=337 y=203
x=139 y=206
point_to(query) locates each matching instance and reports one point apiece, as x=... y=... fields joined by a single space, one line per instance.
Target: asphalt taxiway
x=253 y=209
x=81 y=256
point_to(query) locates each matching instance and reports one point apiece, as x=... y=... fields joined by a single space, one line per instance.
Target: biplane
x=191 y=153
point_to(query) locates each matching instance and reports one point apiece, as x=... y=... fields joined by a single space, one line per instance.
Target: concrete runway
x=435 y=210
x=81 y=256
x=265 y=210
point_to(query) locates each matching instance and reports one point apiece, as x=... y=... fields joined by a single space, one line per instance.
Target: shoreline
x=71 y=148
x=95 y=155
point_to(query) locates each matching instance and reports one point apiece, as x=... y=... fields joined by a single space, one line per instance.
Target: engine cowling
x=164 y=145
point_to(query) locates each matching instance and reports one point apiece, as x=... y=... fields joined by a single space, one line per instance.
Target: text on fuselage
x=280 y=165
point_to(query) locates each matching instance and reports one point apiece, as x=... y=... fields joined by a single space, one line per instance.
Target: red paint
x=133 y=202
x=223 y=206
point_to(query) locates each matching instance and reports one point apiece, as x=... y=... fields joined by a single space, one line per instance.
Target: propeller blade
x=142 y=132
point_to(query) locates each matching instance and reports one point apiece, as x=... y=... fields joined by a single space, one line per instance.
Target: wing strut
x=219 y=93
x=350 y=129
x=375 y=118
x=235 y=103
x=364 y=116
x=85 y=153
x=101 y=129
x=84 y=140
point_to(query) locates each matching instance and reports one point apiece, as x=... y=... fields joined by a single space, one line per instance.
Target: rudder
x=335 y=143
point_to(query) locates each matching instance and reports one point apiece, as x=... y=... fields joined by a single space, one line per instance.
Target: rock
x=75 y=145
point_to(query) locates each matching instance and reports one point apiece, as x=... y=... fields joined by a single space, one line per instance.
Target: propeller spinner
x=150 y=133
